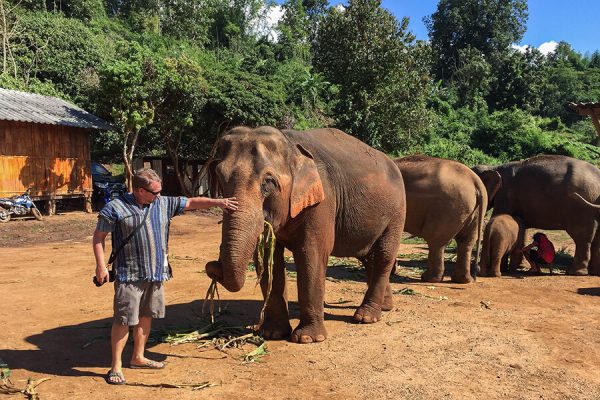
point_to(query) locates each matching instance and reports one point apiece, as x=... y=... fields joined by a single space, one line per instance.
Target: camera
x=111 y=278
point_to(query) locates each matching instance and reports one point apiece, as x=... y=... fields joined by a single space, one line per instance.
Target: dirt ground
x=515 y=337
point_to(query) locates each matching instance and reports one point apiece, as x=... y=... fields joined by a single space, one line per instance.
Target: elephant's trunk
x=239 y=238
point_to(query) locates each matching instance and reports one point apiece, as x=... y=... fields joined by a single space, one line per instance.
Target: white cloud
x=520 y=49
x=548 y=47
x=545 y=48
x=266 y=26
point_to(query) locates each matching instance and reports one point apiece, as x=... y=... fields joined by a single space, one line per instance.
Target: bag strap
x=114 y=253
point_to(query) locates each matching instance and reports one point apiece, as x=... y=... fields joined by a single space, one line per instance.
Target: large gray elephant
x=325 y=193
x=542 y=192
x=444 y=200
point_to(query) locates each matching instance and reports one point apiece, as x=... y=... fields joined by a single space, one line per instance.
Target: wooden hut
x=590 y=109
x=45 y=146
x=165 y=169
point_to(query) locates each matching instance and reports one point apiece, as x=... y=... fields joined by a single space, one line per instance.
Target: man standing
x=141 y=265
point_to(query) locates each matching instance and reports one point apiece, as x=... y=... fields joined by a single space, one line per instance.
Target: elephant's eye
x=268 y=185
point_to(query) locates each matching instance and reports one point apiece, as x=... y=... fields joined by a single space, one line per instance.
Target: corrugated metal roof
x=30 y=107
x=583 y=107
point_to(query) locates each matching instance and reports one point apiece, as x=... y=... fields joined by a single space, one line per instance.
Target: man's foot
x=115 y=378
x=147 y=364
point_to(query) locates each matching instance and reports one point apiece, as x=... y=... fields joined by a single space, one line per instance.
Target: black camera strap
x=114 y=253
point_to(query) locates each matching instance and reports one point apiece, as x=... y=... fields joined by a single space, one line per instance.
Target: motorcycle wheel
x=4 y=215
x=36 y=213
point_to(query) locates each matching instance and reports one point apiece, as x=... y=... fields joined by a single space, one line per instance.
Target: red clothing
x=545 y=247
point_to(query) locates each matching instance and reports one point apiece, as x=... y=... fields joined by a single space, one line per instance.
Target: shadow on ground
x=69 y=350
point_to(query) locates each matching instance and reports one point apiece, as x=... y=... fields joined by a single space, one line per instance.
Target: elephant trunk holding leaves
x=325 y=193
x=444 y=200
x=552 y=192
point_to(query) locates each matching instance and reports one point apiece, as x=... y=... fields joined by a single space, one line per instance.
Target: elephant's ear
x=307 y=188
x=493 y=182
x=213 y=181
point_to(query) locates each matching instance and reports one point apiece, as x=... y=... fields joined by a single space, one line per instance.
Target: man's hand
x=101 y=274
x=229 y=203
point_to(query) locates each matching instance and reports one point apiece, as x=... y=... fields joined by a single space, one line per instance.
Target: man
x=141 y=266
x=539 y=252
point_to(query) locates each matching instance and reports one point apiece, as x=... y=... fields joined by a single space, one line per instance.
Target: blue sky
x=574 y=21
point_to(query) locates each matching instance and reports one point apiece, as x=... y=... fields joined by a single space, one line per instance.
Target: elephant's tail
x=482 y=208
x=578 y=196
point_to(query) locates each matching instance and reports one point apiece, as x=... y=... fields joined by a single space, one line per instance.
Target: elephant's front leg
x=311 y=263
x=276 y=324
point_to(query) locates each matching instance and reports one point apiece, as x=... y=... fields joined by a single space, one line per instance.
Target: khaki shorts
x=138 y=299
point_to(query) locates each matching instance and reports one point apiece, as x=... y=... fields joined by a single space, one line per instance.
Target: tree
x=293 y=28
x=381 y=74
x=489 y=26
x=519 y=81
x=128 y=88
x=182 y=93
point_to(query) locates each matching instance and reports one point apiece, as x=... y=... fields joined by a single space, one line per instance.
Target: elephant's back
x=439 y=192
x=540 y=191
x=343 y=154
x=438 y=178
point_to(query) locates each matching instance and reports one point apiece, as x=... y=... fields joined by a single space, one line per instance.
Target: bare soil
x=515 y=337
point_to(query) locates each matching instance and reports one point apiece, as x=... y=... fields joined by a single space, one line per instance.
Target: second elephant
x=444 y=200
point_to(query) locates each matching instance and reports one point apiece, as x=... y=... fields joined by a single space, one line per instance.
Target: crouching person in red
x=540 y=252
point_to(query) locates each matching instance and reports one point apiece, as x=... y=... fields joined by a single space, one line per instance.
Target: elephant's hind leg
x=388 y=300
x=276 y=324
x=464 y=247
x=435 y=263
x=594 y=266
x=384 y=254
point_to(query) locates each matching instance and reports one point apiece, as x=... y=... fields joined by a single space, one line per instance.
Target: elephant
x=444 y=200
x=325 y=193
x=504 y=237
x=542 y=190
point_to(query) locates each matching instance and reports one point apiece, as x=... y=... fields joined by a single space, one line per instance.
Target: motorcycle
x=18 y=205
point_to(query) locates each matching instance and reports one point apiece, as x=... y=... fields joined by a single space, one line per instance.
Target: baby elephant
x=503 y=237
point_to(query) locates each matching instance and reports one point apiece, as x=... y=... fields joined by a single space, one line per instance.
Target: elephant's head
x=492 y=180
x=273 y=179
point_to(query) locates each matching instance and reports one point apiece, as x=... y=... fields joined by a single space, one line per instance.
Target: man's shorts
x=536 y=258
x=138 y=299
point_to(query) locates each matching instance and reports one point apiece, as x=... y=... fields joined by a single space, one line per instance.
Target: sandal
x=150 y=364
x=115 y=378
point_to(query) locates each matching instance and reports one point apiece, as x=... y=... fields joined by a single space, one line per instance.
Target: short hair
x=143 y=177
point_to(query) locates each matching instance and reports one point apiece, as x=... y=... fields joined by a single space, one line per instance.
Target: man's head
x=147 y=185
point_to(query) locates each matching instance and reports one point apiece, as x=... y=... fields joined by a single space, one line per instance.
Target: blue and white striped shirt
x=144 y=257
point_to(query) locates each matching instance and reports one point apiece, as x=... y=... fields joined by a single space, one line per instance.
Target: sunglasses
x=150 y=191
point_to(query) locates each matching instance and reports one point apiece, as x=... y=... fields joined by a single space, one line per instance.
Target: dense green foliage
x=173 y=75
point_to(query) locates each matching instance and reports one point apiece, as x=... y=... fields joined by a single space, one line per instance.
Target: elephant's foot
x=368 y=313
x=594 y=270
x=462 y=278
x=388 y=303
x=494 y=274
x=432 y=277
x=276 y=330
x=310 y=333
x=582 y=271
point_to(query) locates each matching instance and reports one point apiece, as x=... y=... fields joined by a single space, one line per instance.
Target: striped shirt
x=144 y=257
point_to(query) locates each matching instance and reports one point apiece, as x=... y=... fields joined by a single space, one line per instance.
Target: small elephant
x=504 y=236
x=444 y=200
x=325 y=193
x=540 y=190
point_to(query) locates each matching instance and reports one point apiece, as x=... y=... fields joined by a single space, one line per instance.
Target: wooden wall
x=53 y=160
